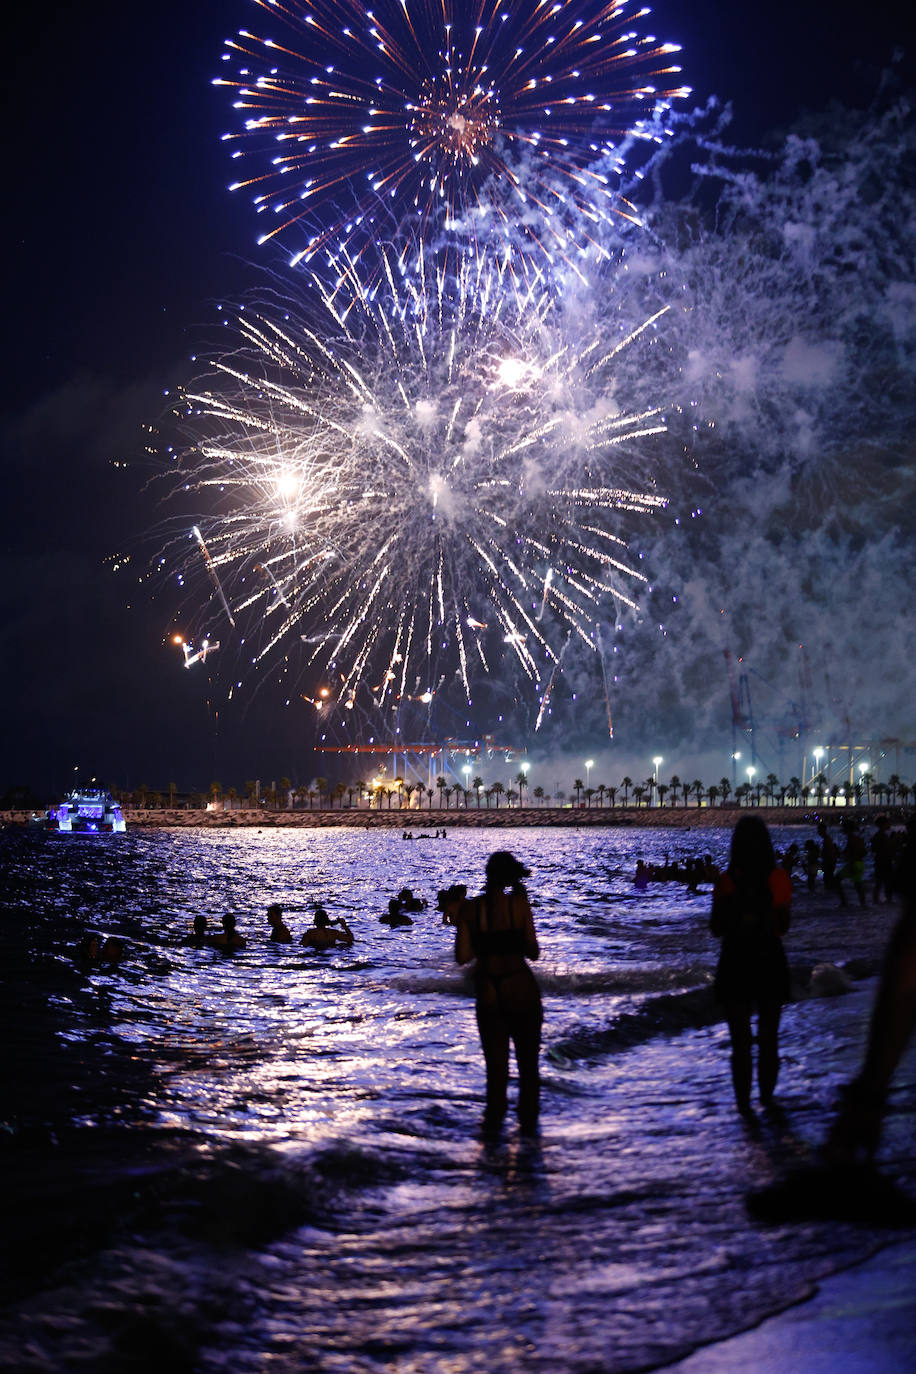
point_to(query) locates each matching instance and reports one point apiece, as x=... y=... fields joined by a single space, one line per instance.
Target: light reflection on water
x=607 y=1244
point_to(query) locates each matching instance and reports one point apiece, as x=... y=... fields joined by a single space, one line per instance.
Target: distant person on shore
x=229 y=939
x=882 y=849
x=199 y=936
x=497 y=929
x=853 y=862
x=279 y=931
x=812 y=862
x=321 y=934
x=829 y=856
x=750 y=914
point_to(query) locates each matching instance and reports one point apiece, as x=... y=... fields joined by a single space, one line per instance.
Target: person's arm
x=464 y=947
x=781 y=892
x=721 y=902
x=857 y=1128
x=532 y=948
x=345 y=935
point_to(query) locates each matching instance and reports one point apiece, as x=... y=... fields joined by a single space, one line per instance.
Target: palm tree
x=712 y=794
x=539 y=795
x=477 y=783
x=725 y=788
x=216 y=791
x=772 y=783
x=675 y=788
x=612 y=795
x=893 y=783
x=867 y=781
x=662 y=793
x=511 y=796
x=639 y=792
x=429 y=797
x=697 y=789
x=626 y=784
x=650 y=786
x=441 y=783
x=794 y=789
x=173 y=788
x=820 y=782
x=232 y=794
x=285 y=789
x=589 y=793
x=409 y=789
x=834 y=793
x=601 y=791
x=521 y=781
x=497 y=789
x=321 y=786
x=577 y=788
x=448 y=797
x=340 y=791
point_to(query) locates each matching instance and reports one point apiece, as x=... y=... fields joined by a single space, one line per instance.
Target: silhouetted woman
x=750 y=914
x=497 y=929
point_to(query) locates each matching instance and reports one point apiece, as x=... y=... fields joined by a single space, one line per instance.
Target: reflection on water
x=329 y=1104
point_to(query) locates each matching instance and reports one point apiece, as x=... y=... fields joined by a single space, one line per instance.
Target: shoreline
x=420 y=822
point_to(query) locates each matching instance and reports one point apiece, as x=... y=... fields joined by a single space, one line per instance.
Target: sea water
x=277 y=1152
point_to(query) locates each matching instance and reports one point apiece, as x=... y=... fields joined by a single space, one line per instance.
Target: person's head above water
x=321 y=918
x=504 y=870
x=228 y=922
x=274 y=913
x=200 y=924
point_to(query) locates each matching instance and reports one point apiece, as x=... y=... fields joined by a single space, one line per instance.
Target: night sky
x=120 y=239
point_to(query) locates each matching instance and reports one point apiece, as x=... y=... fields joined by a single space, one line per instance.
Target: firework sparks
x=421 y=484
x=464 y=109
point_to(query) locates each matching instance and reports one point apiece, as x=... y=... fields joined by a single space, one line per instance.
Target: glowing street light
x=589 y=765
x=750 y=776
x=657 y=761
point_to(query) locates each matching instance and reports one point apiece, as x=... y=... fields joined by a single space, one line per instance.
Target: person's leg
x=527 y=1038
x=739 y=1029
x=768 y=1049
x=494 y=1039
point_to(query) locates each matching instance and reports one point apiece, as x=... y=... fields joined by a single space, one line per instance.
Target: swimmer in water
x=279 y=931
x=321 y=935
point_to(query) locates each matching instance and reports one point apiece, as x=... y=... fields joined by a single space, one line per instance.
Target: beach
x=273 y=1160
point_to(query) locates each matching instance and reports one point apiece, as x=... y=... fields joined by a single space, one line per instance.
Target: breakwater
x=422 y=822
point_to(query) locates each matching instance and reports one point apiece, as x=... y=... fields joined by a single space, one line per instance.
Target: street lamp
x=657 y=760
x=818 y=755
x=750 y=776
x=589 y=765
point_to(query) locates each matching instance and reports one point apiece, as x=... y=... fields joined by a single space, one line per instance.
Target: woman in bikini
x=497 y=929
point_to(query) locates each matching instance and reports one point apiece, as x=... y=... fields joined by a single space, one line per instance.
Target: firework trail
x=213 y=574
x=457 y=113
x=427 y=481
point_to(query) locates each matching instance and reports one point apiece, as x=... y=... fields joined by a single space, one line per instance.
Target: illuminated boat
x=88 y=811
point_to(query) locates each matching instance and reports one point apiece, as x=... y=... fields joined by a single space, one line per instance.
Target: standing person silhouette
x=750 y=914
x=497 y=929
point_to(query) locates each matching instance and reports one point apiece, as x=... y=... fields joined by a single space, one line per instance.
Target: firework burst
x=473 y=113
x=421 y=485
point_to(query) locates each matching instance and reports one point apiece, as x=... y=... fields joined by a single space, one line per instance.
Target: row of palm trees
x=407 y=795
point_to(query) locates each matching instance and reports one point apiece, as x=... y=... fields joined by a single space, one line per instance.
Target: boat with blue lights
x=88 y=811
